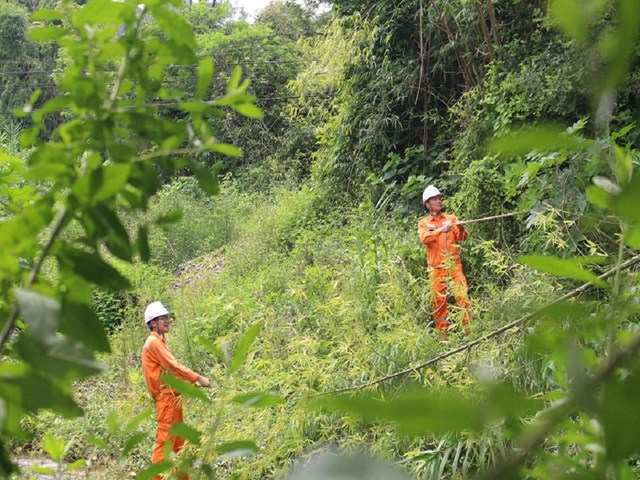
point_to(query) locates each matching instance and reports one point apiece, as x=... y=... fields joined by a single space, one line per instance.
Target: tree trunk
x=485 y=29
x=464 y=68
x=494 y=22
x=421 y=47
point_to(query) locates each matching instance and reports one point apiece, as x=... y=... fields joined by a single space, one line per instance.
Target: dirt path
x=30 y=466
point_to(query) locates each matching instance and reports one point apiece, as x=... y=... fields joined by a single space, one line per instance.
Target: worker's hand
x=446 y=226
x=204 y=381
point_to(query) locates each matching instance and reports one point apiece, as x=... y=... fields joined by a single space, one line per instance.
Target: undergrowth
x=344 y=300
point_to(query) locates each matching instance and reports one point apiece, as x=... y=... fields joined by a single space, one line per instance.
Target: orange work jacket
x=158 y=360
x=439 y=246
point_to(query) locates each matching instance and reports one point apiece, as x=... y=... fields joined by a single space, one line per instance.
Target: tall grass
x=344 y=299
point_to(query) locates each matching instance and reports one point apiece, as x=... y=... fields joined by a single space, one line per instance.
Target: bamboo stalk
x=492 y=217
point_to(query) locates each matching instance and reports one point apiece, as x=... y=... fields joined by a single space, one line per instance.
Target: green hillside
x=264 y=179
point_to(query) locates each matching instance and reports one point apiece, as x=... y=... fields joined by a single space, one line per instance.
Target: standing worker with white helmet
x=440 y=234
x=158 y=360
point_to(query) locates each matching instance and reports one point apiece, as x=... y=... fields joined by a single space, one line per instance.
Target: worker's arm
x=428 y=235
x=166 y=359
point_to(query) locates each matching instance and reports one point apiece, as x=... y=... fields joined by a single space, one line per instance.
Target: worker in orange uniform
x=440 y=234
x=157 y=360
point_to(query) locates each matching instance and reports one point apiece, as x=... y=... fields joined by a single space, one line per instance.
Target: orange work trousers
x=168 y=412
x=440 y=278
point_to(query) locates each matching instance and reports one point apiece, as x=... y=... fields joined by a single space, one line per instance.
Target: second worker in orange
x=440 y=234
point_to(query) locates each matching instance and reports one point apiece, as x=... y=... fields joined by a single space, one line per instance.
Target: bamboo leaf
x=242 y=348
x=132 y=442
x=185 y=431
x=154 y=470
x=185 y=388
x=239 y=448
x=258 y=400
x=234 y=79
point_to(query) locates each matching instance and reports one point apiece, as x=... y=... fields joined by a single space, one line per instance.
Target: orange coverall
x=158 y=360
x=443 y=260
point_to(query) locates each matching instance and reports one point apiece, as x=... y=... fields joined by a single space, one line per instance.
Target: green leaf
x=621 y=417
x=44 y=14
x=12 y=370
x=96 y=12
x=174 y=26
x=40 y=313
x=185 y=388
x=170 y=217
x=137 y=420
x=74 y=354
x=113 y=424
x=624 y=165
x=114 y=177
x=75 y=465
x=132 y=442
x=208 y=182
x=544 y=138
x=599 y=197
x=224 y=148
x=79 y=322
x=205 y=74
x=242 y=348
x=566 y=268
x=98 y=442
x=91 y=267
x=33 y=392
x=569 y=16
x=234 y=79
x=211 y=347
x=54 y=447
x=625 y=205
x=632 y=236
x=258 y=400
x=61 y=358
x=248 y=110
x=45 y=34
x=618 y=47
x=185 y=431
x=142 y=243
x=239 y=448
x=155 y=469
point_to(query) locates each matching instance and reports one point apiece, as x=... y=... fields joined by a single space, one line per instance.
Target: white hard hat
x=154 y=310
x=430 y=192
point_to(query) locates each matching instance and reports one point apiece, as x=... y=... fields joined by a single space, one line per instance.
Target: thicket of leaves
x=104 y=160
